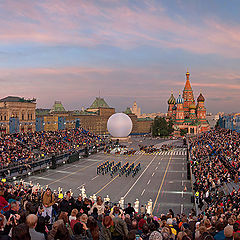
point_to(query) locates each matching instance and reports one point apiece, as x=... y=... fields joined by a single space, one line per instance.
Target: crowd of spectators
x=29 y=212
x=215 y=160
x=22 y=148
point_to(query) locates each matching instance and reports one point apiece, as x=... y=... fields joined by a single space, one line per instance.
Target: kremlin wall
x=20 y=115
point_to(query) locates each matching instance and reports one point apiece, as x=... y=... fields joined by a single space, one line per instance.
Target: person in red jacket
x=3 y=203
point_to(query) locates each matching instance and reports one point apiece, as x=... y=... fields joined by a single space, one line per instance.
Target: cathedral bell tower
x=187 y=96
x=201 y=110
x=171 y=103
x=180 y=111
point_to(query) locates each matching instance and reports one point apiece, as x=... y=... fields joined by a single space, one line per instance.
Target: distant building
x=137 y=111
x=93 y=118
x=230 y=121
x=213 y=118
x=17 y=114
x=140 y=125
x=185 y=114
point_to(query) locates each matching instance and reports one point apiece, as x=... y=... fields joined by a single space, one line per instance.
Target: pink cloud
x=66 y=22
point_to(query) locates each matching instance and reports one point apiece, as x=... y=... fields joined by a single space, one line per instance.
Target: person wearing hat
x=155 y=235
x=113 y=229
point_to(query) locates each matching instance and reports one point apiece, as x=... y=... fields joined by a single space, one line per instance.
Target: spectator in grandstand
x=99 y=205
x=67 y=203
x=22 y=149
x=142 y=209
x=81 y=232
x=73 y=215
x=93 y=228
x=129 y=210
x=3 y=202
x=228 y=232
x=115 y=229
x=79 y=203
x=4 y=228
x=21 y=232
x=74 y=221
x=48 y=199
x=31 y=221
x=59 y=231
x=13 y=211
x=236 y=236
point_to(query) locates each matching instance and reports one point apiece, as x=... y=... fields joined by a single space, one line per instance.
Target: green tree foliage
x=161 y=127
x=183 y=132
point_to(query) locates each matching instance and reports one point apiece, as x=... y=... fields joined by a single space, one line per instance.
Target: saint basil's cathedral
x=185 y=113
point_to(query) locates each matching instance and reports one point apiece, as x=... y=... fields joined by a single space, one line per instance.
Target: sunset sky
x=128 y=50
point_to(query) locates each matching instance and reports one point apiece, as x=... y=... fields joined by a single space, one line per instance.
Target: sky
x=136 y=50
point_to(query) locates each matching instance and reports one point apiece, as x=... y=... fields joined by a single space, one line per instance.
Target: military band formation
x=117 y=168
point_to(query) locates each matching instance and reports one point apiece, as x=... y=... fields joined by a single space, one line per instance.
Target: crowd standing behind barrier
x=32 y=212
x=26 y=152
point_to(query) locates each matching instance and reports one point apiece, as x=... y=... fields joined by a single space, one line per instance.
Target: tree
x=170 y=127
x=183 y=132
x=161 y=127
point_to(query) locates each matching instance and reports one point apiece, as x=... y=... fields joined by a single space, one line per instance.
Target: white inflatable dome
x=119 y=125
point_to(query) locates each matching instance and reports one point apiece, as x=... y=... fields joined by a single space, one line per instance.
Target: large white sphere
x=119 y=125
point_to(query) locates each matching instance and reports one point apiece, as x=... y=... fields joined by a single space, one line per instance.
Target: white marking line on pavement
x=153 y=174
x=183 y=168
x=81 y=186
x=182 y=194
x=148 y=181
x=182 y=175
x=59 y=171
x=42 y=178
x=139 y=177
x=159 y=163
x=182 y=182
x=156 y=168
x=143 y=192
x=177 y=192
x=181 y=208
x=94 y=160
x=94 y=177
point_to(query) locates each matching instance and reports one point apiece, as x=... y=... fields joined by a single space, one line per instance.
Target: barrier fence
x=35 y=165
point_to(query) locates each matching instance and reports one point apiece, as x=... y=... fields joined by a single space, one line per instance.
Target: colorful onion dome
x=172 y=99
x=174 y=108
x=192 y=106
x=180 y=99
x=200 y=98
